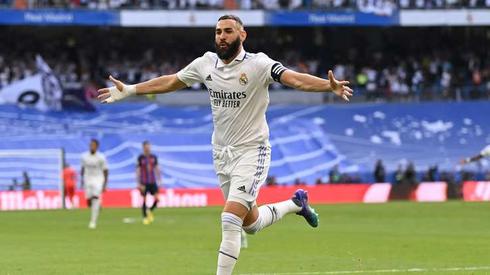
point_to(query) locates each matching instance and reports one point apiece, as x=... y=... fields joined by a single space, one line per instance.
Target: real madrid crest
x=243 y=79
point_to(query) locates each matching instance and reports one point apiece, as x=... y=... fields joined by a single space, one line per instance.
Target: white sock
x=229 y=249
x=271 y=213
x=95 y=210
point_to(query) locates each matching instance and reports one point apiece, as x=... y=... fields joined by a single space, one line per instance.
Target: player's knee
x=252 y=228
x=231 y=222
x=249 y=230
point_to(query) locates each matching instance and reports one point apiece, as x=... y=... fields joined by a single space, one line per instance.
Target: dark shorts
x=151 y=188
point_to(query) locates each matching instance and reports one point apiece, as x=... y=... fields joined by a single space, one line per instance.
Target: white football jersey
x=486 y=151
x=93 y=168
x=239 y=94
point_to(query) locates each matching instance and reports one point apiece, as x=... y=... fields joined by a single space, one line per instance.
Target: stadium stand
x=307 y=141
x=422 y=70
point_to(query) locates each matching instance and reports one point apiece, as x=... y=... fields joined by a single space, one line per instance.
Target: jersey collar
x=239 y=58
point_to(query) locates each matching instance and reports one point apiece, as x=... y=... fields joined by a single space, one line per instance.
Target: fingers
x=103 y=91
x=108 y=100
x=346 y=93
x=330 y=76
x=103 y=97
x=119 y=84
x=347 y=90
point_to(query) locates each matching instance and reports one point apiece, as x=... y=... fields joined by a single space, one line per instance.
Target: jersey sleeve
x=191 y=73
x=269 y=68
x=156 y=159
x=486 y=151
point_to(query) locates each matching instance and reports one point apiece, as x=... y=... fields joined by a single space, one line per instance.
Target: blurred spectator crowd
x=378 y=76
x=385 y=7
x=404 y=179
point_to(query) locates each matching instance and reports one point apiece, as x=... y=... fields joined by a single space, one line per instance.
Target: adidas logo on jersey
x=241 y=188
x=208 y=78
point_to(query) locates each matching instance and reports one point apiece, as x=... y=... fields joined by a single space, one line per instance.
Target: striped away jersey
x=147 y=165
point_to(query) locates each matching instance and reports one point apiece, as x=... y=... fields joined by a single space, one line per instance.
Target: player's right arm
x=158 y=85
x=139 y=185
x=471 y=159
x=81 y=177
x=484 y=153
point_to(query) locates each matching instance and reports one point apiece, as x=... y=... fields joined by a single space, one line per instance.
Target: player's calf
x=229 y=249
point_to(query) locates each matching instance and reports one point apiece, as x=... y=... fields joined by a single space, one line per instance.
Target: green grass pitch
x=434 y=237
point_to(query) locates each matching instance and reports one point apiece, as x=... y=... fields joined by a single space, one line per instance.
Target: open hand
x=117 y=92
x=339 y=88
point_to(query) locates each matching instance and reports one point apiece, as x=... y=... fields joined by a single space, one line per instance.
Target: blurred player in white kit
x=94 y=174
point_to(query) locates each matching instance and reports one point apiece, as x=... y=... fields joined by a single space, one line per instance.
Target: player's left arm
x=106 y=177
x=309 y=83
x=106 y=172
x=158 y=173
x=82 y=170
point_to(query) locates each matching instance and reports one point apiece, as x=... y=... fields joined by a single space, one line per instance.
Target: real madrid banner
x=42 y=90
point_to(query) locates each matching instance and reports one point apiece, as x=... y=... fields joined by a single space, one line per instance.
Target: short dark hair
x=95 y=141
x=232 y=17
x=146 y=142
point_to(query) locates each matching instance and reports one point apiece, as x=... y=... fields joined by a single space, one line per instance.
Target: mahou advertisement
x=319 y=194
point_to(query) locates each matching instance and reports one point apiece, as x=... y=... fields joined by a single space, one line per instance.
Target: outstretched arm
x=471 y=159
x=310 y=83
x=158 y=85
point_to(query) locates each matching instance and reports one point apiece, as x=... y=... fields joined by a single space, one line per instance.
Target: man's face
x=93 y=146
x=147 y=148
x=229 y=36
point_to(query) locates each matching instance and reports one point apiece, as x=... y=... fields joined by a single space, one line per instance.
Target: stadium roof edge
x=252 y=18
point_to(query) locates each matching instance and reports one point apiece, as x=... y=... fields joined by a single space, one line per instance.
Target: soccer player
x=69 y=179
x=237 y=82
x=148 y=177
x=94 y=174
x=483 y=154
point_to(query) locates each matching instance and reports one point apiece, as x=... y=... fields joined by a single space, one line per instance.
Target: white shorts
x=93 y=190
x=242 y=171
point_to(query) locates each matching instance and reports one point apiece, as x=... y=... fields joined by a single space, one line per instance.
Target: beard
x=230 y=51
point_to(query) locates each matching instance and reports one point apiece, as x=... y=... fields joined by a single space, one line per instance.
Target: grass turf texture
x=185 y=241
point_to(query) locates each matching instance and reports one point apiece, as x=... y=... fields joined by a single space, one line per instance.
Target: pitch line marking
x=414 y=270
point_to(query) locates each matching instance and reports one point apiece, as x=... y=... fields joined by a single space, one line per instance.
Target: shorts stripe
x=260 y=169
